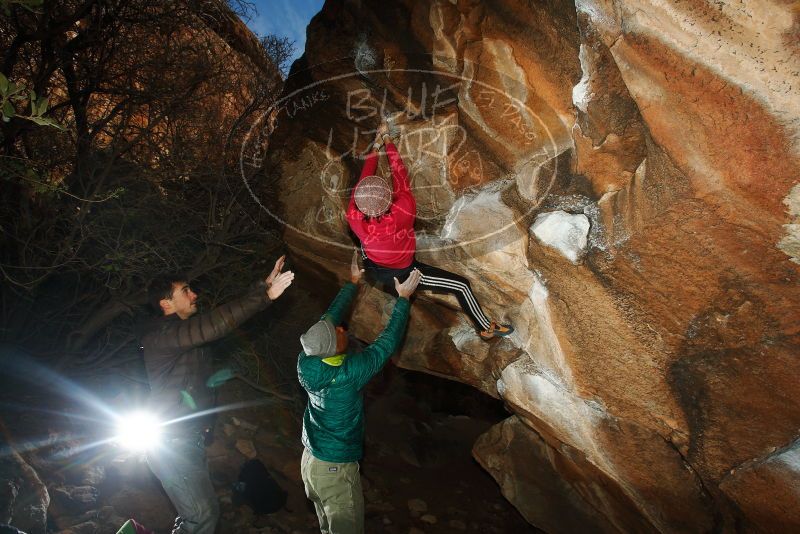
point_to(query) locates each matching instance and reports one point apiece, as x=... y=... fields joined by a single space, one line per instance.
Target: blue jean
x=180 y=464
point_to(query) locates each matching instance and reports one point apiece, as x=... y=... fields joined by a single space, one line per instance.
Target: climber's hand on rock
x=383 y=129
x=381 y=134
x=409 y=286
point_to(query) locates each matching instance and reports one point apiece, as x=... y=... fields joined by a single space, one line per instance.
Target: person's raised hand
x=276 y=270
x=383 y=129
x=355 y=270
x=409 y=286
x=279 y=285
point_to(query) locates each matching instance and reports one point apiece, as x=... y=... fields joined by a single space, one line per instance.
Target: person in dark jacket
x=383 y=216
x=333 y=423
x=178 y=364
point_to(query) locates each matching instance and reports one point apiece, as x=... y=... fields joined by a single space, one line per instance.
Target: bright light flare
x=138 y=431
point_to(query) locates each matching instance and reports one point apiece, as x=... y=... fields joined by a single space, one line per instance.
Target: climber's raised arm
x=403 y=200
x=400 y=182
x=370 y=165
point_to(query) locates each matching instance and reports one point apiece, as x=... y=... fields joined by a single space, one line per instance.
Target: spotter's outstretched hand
x=276 y=270
x=279 y=285
x=355 y=270
x=408 y=287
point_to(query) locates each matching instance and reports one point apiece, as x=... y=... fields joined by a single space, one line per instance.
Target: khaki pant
x=335 y=490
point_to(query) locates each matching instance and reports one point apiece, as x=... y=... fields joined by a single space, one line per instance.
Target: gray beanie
x=320 y=339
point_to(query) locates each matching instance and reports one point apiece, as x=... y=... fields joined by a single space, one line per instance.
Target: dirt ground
x=418 y=473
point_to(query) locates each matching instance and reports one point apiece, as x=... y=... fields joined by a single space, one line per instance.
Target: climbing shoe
x=496 y=330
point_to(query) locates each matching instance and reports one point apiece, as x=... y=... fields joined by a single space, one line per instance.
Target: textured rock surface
x=563 y=490
x=653 y=378
x=767 y=491
x=564 y=232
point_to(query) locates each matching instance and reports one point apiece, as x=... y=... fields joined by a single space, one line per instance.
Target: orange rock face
x=654 y=370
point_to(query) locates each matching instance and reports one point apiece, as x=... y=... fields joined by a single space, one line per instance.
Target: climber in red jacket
x=383 y=219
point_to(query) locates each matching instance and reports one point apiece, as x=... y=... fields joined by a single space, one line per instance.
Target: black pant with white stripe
x=433 y=279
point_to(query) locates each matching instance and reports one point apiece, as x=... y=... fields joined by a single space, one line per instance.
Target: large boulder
x=618 y=178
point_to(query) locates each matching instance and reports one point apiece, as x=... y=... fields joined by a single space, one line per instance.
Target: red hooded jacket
x=388 y=240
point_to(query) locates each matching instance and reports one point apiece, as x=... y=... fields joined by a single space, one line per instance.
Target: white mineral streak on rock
x=513 y=83
x=580 y=93
x=620 y=213
x=595 y=235
x=466 y=340
x=477 y=216
x=790 y=244
x=792 y=201
x=501 y=388
x=766 y=25
x=768 y=487
x=791 y=459
x=570 y=418
x=564 y=232
x=763 y=69
x=482 y=218
x=467 y=105
x=541 y=341
x=529 y=174
x=603 y=17
x=444 y=52
x=749 y=50
x=508 y=92
x=451 y=229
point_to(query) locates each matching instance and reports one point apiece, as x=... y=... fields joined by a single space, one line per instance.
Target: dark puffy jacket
x=176 y=360
x=333 y=423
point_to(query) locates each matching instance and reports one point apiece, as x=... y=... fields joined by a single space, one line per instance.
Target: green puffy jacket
x=333 y=423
